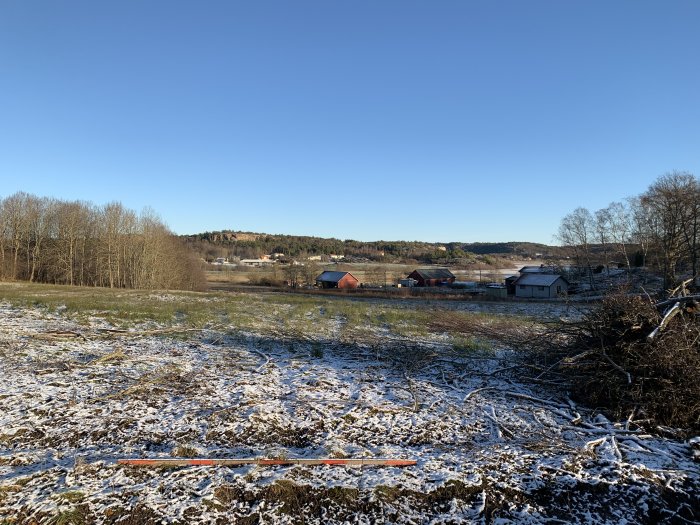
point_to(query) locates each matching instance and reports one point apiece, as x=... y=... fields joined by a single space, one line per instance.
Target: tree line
x=659 y=228
x=211 y=245
x=77 y=243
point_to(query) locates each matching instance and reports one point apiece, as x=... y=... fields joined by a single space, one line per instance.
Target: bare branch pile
x=636 y=359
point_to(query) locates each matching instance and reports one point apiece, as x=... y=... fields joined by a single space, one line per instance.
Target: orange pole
x=375 y=462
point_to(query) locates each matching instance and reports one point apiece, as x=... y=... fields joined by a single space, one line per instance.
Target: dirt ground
x=490 y=446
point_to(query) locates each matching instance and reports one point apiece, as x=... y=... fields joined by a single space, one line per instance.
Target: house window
x=540 y=288
x=522 y=286
x=558 y=289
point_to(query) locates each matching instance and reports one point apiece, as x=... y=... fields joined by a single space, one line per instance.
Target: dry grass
x=284 y=316
x=485 y=325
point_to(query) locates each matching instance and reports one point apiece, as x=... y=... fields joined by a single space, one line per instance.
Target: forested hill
x=211 y=245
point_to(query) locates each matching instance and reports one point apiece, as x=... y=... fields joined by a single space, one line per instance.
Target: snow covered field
x=490 y=447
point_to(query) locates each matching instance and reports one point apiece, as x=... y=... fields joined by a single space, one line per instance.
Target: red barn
x=343 y=280
x=432 y=276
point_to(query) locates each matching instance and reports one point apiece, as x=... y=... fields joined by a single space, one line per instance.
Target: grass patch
x=7 y=490
x=465 y=344
x=72 y=496
x=185 y=451
x=387 y=494
x=113 y=357
x=298 y=500
x=478 y=329
x=295 y=316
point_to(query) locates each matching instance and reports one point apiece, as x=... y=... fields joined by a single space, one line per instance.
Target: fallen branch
x=654 y=450
x=630 y=418
x=535 y=399
x=675 y=310
x=680 y=290
x=674 y=300
x=476 y=391
x=615 y=365
x=615 y=448
x=412 y=390
x=500 y=427
x=267 y=359
x=159 y=331
x=594 y=443
x=57 y=334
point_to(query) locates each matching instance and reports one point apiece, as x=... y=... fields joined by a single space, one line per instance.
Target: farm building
x=510 y=283
x=432 y=276
x=540 y=285
x=343 y=280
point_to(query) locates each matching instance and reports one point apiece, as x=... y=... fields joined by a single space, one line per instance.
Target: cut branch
x=675 y=310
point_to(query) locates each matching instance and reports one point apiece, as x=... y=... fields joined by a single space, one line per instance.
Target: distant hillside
x=524 y=249
x=228 y=243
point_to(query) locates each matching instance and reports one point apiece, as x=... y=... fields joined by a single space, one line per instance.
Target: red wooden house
x=343 y=280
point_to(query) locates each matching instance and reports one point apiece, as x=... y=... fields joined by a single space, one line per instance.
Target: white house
x=540 y=285
x=257 y=262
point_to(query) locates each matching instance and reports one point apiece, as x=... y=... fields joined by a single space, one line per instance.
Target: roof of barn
x=333 y=277
x=435 y=273
x=539 y=279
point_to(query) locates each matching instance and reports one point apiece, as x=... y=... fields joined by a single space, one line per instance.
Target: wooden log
x=175 y=462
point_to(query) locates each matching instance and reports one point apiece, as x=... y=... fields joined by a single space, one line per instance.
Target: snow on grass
x=489 y=447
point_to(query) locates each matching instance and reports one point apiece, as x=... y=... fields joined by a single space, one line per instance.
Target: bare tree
x=73 y=231
x=293 y=274
x=3 y=237
x=664 y=222
x=576 y=231
x=16 y=227
x=42 y=219
x=665 y=206
x=309 y=273
x=74 y=243
x=690 y=226
x=601 y=225
x=641 y=230
x=117 y=223
x=620 y=224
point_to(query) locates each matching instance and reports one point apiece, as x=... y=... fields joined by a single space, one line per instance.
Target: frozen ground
x=543 y=309
x=490 y=448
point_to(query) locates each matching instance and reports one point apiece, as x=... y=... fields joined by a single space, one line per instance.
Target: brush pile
x=638 y=359
x=635 y=359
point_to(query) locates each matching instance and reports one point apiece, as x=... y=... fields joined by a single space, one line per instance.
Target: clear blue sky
x=438 y=121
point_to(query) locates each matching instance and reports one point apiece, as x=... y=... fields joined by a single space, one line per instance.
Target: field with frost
x=87 y=377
